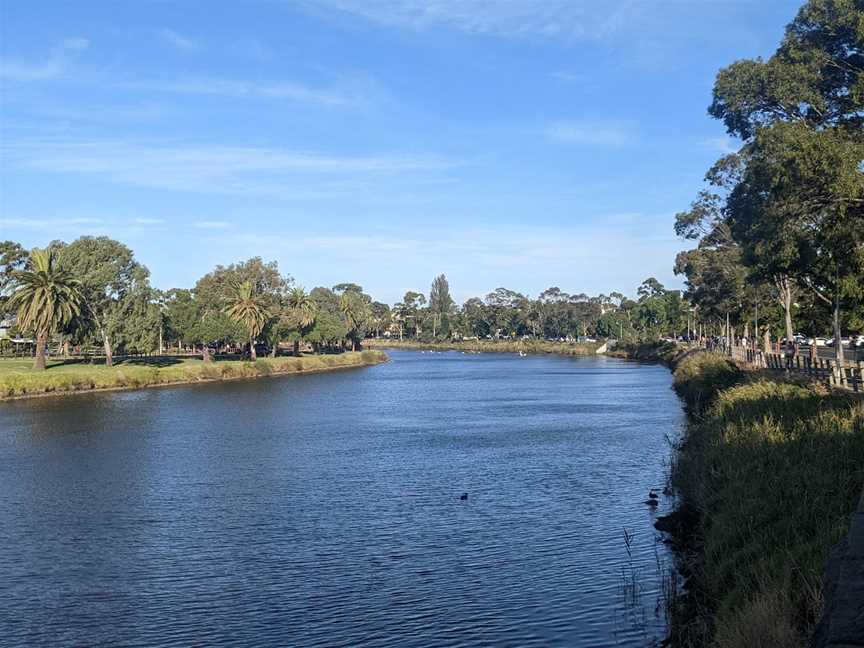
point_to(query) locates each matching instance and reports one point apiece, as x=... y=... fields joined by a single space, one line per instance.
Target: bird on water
x=464 y=496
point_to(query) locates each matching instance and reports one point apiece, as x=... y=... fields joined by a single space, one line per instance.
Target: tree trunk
x=39 y=360
x=838 y=344
x=205 y=355
x=297 y=348
x=252 y=355
x=66 y=349
x=109 y=356
x=273 y=350
x=161 y=341
x=784 y=285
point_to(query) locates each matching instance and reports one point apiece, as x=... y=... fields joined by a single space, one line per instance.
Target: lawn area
x=18 y=379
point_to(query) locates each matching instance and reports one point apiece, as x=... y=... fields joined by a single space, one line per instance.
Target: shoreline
x=489 y=346
x=197 y=374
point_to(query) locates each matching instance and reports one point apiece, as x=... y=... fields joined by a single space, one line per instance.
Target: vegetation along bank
x=19 y=380
x=768 y=473
x=491 y=346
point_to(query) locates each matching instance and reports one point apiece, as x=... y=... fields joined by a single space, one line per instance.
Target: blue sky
x=516 y=143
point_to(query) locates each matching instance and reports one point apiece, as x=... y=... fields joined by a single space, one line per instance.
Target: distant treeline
x=111 y=306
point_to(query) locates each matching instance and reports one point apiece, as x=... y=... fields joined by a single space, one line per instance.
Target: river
x=326 y=510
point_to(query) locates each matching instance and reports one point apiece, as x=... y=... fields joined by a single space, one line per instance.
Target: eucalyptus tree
x=46 y=298
x=247 y=309
x=380 y=317
x=108 y=274
x=799 y=206
x=407 y=313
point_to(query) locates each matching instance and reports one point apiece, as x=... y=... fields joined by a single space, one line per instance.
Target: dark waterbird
x=464 y=496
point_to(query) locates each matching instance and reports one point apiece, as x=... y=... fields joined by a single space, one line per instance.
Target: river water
x=325 y=510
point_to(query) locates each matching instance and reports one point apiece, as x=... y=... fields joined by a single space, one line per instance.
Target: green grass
x=771 y=472
x=18 y=379
x=493 y=346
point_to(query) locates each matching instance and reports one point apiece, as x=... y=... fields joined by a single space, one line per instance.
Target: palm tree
x=355 y=314
x=46 y=299
x=303 y=310
x=248 y=311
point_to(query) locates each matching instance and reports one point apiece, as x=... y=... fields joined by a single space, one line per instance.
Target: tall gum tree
x=797 y=209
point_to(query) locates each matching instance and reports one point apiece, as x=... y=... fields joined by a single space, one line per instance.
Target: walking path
x=842 y=625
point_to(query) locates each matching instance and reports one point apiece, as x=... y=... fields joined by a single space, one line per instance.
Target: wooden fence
x=848 y=375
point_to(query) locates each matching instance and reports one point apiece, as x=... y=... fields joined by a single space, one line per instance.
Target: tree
x=650 y=288
x=46 y=298
x=407 y=313
x=356 y=314
x=107 y=272
x=247 y=309
x=440 y=306
x=302 y=311
x=798 y=206
x=380 y=317
x=13 y=257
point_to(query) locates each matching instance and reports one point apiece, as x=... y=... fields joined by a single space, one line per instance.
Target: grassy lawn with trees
x=19 y=379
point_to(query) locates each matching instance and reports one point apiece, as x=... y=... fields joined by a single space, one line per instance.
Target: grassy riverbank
x=768 y=473
x=18 y=380
x=491 y=346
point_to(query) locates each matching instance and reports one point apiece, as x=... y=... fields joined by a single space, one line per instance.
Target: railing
x=846 y=375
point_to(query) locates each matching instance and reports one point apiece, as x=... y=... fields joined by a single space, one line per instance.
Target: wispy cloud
x=178 y=41
x=51 y=68
x=148 y=221
x=239 y=89
x=478 y=259
x=216 y=169
x=591 y=134
x=572 y=19
x=49 y=223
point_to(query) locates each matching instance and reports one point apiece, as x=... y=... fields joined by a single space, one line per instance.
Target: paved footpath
x=843 y=623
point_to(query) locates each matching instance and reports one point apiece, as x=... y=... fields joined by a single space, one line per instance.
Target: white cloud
x=593 y=134
x=217 y=169
x=178 y=41
x=55 y=66
x=148 y=221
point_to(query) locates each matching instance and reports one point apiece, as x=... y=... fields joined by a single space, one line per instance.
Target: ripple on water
x=324 y=510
